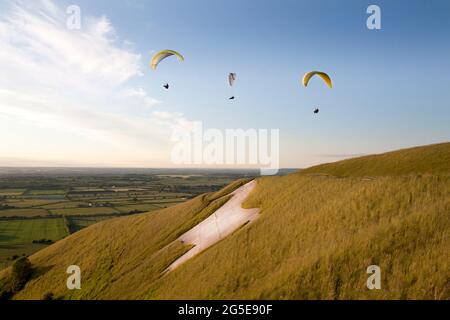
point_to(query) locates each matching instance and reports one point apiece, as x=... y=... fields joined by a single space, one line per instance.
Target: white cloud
x=141 y=94
x=73 y=86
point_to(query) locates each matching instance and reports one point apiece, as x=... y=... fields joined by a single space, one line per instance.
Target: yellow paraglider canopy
x=157 y=58
x=325 y=77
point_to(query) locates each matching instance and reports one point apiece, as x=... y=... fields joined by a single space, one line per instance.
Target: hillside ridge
x=318 y=231
x=431 y=159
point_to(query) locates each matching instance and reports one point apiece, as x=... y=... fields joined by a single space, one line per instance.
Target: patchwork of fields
x=51 y=205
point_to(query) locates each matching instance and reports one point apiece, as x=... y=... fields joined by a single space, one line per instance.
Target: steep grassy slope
x=318 y=232
x=433 y=159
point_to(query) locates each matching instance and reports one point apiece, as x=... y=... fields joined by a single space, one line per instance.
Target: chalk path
x=227 y=219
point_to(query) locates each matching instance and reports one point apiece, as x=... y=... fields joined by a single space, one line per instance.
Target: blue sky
x=391 y=85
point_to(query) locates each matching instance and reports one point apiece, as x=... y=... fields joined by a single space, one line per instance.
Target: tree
x=48 y=296
x=5 y=294
x=21 y=273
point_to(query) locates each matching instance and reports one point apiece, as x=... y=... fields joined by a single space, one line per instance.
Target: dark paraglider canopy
x=232 y=98
x=316 y=111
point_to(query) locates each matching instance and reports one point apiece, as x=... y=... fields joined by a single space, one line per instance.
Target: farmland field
x=17 y=236
x=30 y=203
x=8 y=213
x=141 y=207
x=83 y=211
x=25 y=231
x=48 y=203
x=11 y=192
x=47 y=192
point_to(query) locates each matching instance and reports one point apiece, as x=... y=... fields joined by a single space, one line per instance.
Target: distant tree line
x=43 y=241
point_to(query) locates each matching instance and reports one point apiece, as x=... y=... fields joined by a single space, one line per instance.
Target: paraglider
x=231 y=81
x=160 y=56
x=325 y=77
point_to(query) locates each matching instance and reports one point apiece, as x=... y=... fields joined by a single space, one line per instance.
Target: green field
x=84 y=211
x=47 y=192
x=23 y=213
x=64 y=205
x=16 y=236
x=138 y=207
x=31 y=203
x=11 y=192
x=25 y=231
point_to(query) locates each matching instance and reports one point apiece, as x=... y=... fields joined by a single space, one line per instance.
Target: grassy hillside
x=433 y=159
x=128 y=252
x=318 y=232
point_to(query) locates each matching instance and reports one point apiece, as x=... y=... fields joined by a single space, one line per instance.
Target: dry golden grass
x=432 y=159
x=316 y=236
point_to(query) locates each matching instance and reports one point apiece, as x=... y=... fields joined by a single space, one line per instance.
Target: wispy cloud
x=75 y=83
